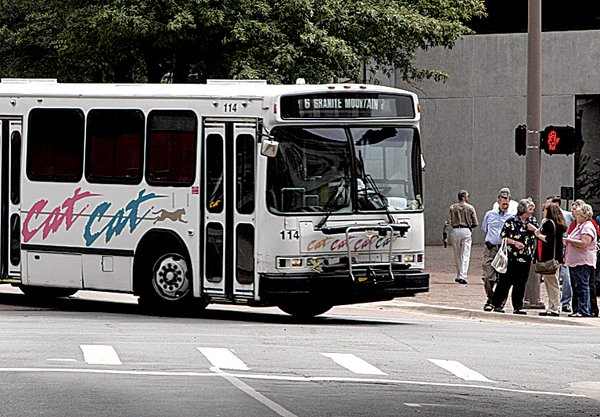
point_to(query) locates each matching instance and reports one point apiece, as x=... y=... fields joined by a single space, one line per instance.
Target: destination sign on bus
x=346 y=105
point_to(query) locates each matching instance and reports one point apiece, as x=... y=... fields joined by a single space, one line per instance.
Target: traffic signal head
x=521 y=140
x=559 y=140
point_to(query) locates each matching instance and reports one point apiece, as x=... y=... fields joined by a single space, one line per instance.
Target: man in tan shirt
x=461 y=219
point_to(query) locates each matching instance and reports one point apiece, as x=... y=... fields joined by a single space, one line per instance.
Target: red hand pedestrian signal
x=559 y=140
x=553 y=140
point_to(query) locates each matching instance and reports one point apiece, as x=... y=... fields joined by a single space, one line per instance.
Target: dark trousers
x=516 y=277
x=593 y=294
x=594 y=289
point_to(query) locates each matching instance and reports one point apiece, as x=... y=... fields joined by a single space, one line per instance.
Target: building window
x=55 y=145
x=171 y=147
x=114 y=146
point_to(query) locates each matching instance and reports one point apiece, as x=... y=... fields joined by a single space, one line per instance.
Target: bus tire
x=34 y=291
x=166 y=282
x=304 y=310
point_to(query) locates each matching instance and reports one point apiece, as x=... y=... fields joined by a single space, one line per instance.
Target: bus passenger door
x=10 y=199
x=229 y=163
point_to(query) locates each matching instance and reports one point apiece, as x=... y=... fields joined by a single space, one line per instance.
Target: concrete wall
x=468 y=122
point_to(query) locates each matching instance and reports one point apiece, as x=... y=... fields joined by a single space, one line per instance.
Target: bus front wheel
x=304 y=310
x=167 y=282
x=170 y=277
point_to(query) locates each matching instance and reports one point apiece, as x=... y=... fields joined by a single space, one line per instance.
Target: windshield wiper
x=333 y=199
x=369 y=185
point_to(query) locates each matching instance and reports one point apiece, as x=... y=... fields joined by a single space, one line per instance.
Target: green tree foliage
x=278 y=40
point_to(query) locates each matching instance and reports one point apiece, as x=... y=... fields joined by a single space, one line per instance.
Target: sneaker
x=520 y=312
x=566 y=309
x=460 y=280
x=488 y=307
x=576 y=315
x=498 y=310
x=549 y=313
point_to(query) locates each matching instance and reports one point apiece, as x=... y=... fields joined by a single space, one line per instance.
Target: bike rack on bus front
x=370 y=233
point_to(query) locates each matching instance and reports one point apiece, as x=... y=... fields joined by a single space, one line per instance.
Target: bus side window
x=55 y=145
x=171 y=145
x=114 y=146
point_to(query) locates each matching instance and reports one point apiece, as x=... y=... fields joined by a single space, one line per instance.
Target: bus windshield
x=345 y=169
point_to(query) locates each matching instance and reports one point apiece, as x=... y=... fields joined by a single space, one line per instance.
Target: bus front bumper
x=339 y=288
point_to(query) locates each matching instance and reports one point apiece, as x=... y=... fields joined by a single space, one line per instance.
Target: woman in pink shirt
x=580 y=257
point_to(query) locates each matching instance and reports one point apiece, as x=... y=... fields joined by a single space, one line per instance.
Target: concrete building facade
x=468 y=122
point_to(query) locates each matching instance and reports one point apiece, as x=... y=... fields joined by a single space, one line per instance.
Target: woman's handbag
x=548 y=267
x=500 y=262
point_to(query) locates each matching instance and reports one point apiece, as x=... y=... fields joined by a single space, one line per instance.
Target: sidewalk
x=439 y=262
x=447 y=297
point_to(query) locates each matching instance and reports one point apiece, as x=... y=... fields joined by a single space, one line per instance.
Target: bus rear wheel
x=304 y=309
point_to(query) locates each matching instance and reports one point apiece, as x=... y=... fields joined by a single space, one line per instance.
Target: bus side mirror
x=269 y=148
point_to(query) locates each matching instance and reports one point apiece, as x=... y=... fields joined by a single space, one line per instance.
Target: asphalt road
x=86 y=357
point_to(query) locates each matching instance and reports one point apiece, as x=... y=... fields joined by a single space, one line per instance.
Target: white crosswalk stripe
x=100 y=355
x=223 y=358
x=354 y=363
x=460 y=370
x=226 y=359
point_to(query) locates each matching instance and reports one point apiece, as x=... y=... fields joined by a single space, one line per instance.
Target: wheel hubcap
x=170 y=277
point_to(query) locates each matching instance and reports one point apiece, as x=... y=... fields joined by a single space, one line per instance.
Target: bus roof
x=14 y=88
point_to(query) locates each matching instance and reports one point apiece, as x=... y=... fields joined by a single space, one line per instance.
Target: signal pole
x=534 y=116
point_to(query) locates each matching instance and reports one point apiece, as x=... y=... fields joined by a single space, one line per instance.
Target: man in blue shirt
x=492 y=224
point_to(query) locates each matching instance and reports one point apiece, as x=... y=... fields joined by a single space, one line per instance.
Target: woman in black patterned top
x=520 y=233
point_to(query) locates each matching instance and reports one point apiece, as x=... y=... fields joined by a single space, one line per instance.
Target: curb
x=410 y=307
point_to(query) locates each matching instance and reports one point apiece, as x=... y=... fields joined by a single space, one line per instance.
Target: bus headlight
x=289 y=262
x=409 y=258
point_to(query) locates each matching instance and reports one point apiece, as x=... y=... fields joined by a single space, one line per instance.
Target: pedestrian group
x=562 y=248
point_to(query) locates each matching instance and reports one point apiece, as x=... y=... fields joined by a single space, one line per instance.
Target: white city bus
x=296 y=196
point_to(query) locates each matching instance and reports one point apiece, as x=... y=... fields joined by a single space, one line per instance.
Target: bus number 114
x=289 y=234
x=230 y=107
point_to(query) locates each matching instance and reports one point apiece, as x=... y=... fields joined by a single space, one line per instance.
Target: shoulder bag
x=549 y=267
x=500 y=262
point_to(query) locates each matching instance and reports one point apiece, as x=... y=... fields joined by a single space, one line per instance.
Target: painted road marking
x=289 y=378
x=100 y=355
x=242 y=386
x=354 y=363
x=223 y=358
x=460 y=370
